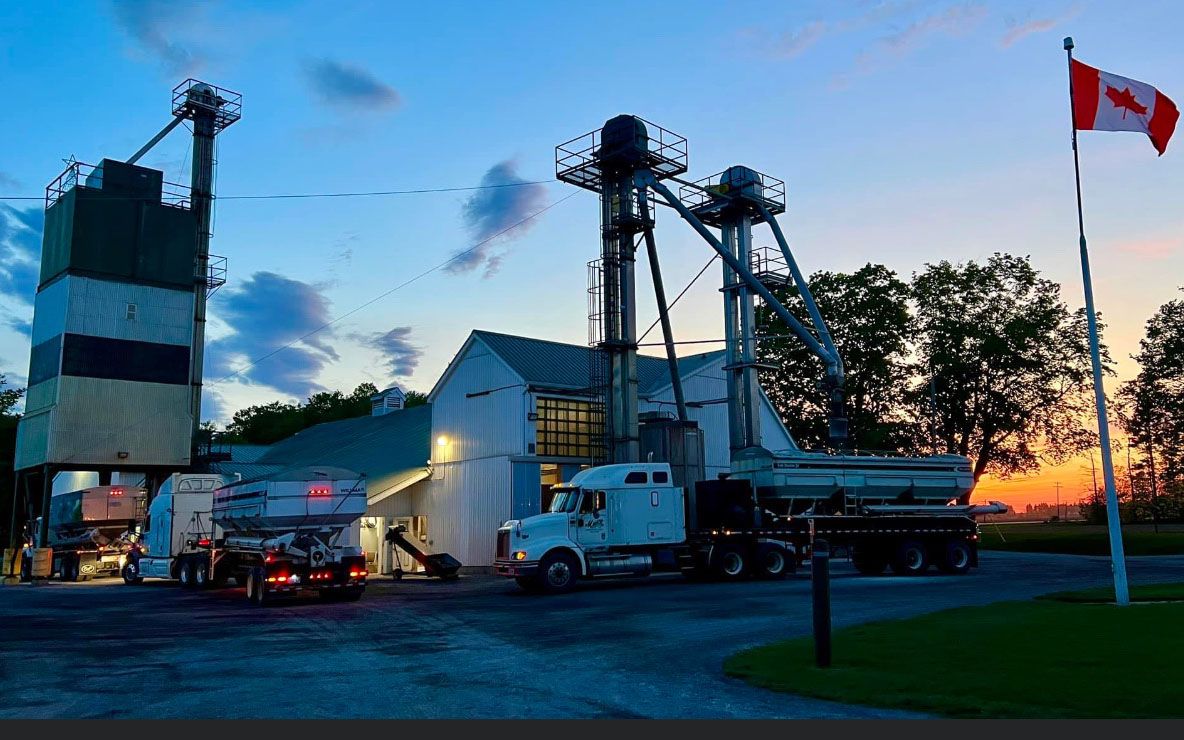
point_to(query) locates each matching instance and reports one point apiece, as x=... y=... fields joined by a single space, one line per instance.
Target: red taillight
x=203 y=543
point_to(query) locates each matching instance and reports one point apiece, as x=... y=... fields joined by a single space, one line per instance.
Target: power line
x=658 y=320
x=352 y=311
x=401 y=285
x=359 y=194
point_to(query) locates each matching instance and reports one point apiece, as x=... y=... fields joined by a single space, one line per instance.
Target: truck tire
x=69 y=568
x=869 y=561
x=956 y=558
x=773 y=562
x=131 y=573
x=257 y=587
x=201 y=573
x=558 y=572
x=911 y=559
x=729 y=562
x=186 y=573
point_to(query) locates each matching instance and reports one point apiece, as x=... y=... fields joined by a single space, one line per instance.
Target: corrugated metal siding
x=708 y=383
x=480 y=426
x=98 y=308
x=42 y=395
x=565 y=366
x=465 y=505
x=49 y=311
x=32 y=439
x=95 y=419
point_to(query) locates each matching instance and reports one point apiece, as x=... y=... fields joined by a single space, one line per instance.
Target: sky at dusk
x=906 y=132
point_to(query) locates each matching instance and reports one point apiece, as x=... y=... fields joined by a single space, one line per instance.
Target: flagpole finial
x=1068 y=43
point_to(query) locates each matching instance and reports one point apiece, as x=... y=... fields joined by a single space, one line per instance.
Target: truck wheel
x=729 y=562
x=257 y=587
x=869 y=561
x=201 y=573
x=912 y=559
x=186 y=573
x=558 y=571
x=69 y=568
x=773 y=562
x=131 y=574
x=956 y=558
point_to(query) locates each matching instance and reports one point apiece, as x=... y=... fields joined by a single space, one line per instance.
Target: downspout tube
x=663 y=310
x=803 y=287
x=832 y=365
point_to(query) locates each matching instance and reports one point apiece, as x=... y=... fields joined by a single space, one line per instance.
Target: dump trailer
x=91 y=530
x=276 y=536
x=631 y=520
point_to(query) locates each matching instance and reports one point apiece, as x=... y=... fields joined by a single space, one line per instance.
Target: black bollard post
x=820 y=578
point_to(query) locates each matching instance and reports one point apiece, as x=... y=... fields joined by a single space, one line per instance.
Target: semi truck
x=632 y=520
x=91 y=531
x=277 y=536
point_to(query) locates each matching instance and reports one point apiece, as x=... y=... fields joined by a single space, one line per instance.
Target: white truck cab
x=178 y=515
x=608 y=520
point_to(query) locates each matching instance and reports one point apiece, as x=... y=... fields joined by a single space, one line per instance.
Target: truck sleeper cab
x=630 y=520
x=623 y=520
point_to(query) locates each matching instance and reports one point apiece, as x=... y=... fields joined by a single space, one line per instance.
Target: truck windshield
x=564 y=499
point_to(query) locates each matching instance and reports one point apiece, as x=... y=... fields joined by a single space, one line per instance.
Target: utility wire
x=360 y=194
x=347 y=314
x=401 y=285
x=658 y=320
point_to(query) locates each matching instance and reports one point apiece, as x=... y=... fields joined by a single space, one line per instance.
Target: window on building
x=131 y=312
x=569 y=428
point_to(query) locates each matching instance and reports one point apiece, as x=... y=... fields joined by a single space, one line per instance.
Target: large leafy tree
x=1004 y=364
x=9 y=398
x=1151 y=410
x=867 y=314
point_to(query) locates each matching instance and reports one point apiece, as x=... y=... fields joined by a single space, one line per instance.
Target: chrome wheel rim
x=914 y=558
x=960 y=558
x=559 y=573
x=733 y=563
x=774 y=562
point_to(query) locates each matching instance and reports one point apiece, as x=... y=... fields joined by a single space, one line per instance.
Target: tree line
x=982 y=359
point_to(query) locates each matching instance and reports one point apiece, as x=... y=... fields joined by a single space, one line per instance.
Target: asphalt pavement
x=473 y=648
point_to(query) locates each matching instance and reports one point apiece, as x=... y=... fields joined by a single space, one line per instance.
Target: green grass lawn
x=1081 y=539
x=1105 y=594
x=1013 y=659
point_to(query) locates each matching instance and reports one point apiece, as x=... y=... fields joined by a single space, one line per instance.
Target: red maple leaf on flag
x=1126 y=100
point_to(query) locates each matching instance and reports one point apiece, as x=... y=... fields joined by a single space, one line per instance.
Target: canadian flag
x=1107 y=102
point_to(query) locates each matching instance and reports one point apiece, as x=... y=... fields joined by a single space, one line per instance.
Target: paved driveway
x=476 y=648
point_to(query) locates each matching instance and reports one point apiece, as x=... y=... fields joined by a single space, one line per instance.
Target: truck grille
x=503 y=545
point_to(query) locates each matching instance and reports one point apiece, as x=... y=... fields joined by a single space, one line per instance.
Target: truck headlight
x=519 y=555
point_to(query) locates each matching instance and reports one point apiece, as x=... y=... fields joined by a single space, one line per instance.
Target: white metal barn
x=509 y=418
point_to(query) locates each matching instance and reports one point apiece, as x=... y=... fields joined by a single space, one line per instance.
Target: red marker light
x=116 y=492
x=320 y=491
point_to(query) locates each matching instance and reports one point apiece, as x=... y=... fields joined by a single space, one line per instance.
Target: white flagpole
x=1117 y=557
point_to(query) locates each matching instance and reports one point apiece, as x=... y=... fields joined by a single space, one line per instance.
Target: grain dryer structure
x=119 y=314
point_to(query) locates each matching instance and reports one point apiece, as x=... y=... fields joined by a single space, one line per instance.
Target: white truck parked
x=279 y=535
x=631 y=520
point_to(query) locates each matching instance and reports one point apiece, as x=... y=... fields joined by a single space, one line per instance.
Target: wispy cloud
x=349 y=86
x=495 y=215
x=266 y=314
x=398 y=352
x=1017 y=30
x=795 y=43
x=20 y=252
x=954 y=20
x=8 y=182
x=165 y=30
